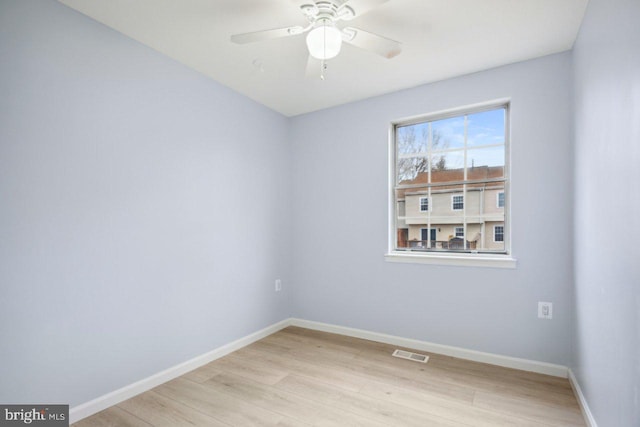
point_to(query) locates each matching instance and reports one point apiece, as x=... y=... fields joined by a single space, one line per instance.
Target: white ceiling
x=440 y=39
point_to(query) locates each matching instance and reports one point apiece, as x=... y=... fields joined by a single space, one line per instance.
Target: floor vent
x=423 y=358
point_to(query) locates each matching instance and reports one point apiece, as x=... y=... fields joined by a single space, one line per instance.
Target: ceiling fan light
x=324 y=42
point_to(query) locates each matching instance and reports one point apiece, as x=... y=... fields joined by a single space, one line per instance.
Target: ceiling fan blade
x=266 y=35
x=371 y=42
x=358 y=7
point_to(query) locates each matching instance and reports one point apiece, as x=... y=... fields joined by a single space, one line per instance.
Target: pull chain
x=323 y=64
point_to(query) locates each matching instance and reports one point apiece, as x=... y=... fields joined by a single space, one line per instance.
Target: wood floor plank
x=448 y=409
x=299 y=407
x=221 y=406
x=203 y=373
x=161 y=411
x=254 y=369
x=112 y=417
x=556 y=415
x=338 y=342
x=306 y=368
x=308 y=348
x=301 y=377
x=375 y=409
x=511 y=376
x=405 y=373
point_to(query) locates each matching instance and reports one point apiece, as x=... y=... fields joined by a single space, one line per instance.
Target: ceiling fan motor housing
x=327 y=10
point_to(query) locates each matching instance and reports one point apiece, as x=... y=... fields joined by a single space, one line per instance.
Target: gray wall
x=607 y=211
x=340 y=221
x=143 y=209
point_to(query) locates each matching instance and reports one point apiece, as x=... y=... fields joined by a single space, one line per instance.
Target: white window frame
x=466 y=259
x=455 y=231
x=427 y=198
x=453 y=208
x=494 y=234
x=498 y=199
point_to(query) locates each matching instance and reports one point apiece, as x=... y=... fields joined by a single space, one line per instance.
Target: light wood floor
x=300 y=377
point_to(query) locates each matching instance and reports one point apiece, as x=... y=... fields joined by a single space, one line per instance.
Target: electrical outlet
x=278 y=285
x=545 y=310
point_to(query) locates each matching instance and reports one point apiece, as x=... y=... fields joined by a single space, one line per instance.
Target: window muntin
x=424 y=204
x=460 y=157
x=457 y=202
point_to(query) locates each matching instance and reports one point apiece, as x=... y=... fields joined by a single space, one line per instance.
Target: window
x=443 y=170
x=424 y=204
x=457 y=202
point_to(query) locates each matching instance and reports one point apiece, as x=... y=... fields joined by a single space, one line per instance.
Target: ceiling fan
x=325 y=38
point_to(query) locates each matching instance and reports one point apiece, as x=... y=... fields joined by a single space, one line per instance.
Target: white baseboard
x=461 y=353
x=582 y=401
x=103 y=402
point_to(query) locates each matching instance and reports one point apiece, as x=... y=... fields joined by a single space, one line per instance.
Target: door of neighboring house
x=403 y=237
x=425 y=236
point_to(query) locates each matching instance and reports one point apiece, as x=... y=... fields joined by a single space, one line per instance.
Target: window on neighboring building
x=458 y=160
x=457 y=202
x=424 y=204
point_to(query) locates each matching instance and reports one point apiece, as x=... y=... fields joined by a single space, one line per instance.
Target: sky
x=484 y=128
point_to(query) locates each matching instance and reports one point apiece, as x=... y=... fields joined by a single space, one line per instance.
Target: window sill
x=466 y=260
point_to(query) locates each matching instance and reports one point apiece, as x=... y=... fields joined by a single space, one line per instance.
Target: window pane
x=412 y=169
x=441 y=206
x=484 y=163
x=447 y=167
x=497 y=243
x=424 y=204
x=457 y=202
x=448 y=133
x=412 y=139
x=485 y=128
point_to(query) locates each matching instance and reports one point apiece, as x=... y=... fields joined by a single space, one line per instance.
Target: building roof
x=476 y=173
